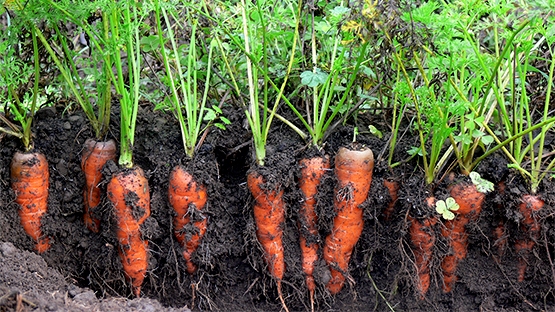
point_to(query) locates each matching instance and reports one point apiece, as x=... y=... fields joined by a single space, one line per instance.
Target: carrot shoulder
x=269 y=215
x=94 y=157
x=312 y=171
x=353 y=169
x=470 y=205
x=30 y=182
x=129 y=194
x=531 y=228
x=187 y=197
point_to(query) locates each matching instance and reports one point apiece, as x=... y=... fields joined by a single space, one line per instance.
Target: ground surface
x=82 y=271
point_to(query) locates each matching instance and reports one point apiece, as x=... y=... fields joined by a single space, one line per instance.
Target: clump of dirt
x=28 y=283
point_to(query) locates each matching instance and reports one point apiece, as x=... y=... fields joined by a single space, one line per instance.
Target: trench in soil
x=232 y=274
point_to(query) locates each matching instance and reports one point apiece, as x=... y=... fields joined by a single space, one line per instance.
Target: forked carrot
x=470 y=203
x=353 y=169
x=29 y=175
x=423 y=238
x=129 y=194
x=312 y=171
x=393 y=188
x=269 y=215
x=94 y=157
x=531 y=228
x=187 y=198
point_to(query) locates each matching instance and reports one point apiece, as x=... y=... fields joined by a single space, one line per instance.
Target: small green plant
x=15 y=73
x=482 y=185
x=256 y=51
x=190 y=107
x=328 y=97
x=446 y=207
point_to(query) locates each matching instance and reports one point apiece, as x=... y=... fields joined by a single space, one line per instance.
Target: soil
x=82 y=270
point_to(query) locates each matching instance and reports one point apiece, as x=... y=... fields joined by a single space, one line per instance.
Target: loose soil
x=82 y=270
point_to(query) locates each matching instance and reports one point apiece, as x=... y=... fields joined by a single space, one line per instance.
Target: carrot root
x=187 y=198
x=470 y=205
x=269 y=215
x=393 y=188
x=531 y=228
x=129 y=194
x=312 y=171
x=30 y=182
x=423 y=239
x=353 y=170
x=94 y=157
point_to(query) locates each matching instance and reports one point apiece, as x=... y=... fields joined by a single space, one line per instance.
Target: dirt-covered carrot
x=353 y=169
x=129 y=194
x=29 y=175
x=94 y=157
x=423 y=238
x=530 y=227
x=470 y=202
x=393 y=188
x=269 y=215
x=312 y=171
x=187 y=198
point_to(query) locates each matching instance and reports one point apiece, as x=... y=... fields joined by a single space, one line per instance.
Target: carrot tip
x=42 y=245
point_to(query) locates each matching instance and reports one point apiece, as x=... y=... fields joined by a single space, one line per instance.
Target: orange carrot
x=470 y=205
x=423 y=240
x=187 y=197
x=130 y=197
x=269 y=215
x=95 y=155
x=29 y=175
x=312 y=171
x=353 y=169
x=393 y=188
x=530 y=226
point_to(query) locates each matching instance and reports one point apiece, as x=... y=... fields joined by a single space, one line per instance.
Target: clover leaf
x=482 y=185
x=446 y=208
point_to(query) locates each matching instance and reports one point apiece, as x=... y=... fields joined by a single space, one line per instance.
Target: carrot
x=187 y=197
x=393 y=188
x=530 y=226
x=499 y=231
x=312 y=171
x=423 y=240
x=353 y=169
x=269 y=215
x=29 y=175
x=470 y=205
x=95 y=155
x=129 y=194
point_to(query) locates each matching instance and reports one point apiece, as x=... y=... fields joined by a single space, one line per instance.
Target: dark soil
x=82 y=270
